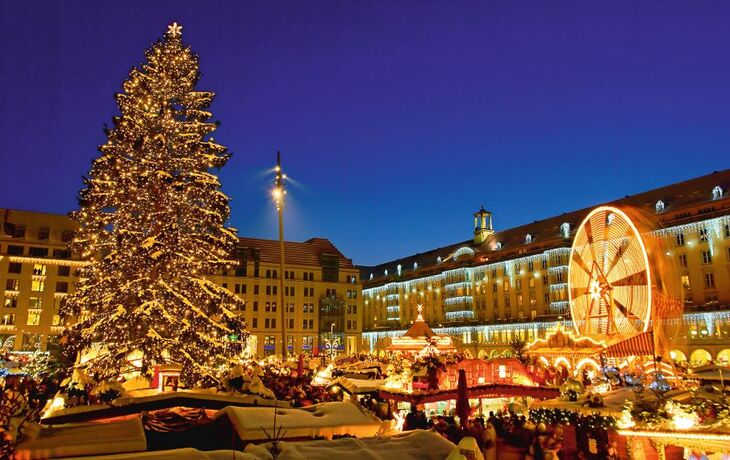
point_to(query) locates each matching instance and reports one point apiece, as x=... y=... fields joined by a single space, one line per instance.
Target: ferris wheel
x=609 y=277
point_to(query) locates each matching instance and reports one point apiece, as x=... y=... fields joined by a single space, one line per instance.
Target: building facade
x=322 y=290
x=502 y=286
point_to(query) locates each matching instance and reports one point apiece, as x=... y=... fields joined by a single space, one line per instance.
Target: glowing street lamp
x=279 y=194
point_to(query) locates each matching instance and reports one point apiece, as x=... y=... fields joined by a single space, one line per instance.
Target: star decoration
x=174 y=29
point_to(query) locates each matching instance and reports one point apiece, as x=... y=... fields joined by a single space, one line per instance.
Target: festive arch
x=678 y=355
x=562 y=360
x=724 y=355
x=700 y=357
x=587 y=363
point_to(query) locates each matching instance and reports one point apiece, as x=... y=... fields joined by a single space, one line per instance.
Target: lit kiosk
x=420 y=339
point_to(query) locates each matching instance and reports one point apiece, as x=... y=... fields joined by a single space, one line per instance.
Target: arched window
x=717 y=192
x=528 y=239
x=565 y=230
x=399 y=269
x=498 y=246
x=415 y=265
x=438 y=259
x=386 y=272
x=659 y=206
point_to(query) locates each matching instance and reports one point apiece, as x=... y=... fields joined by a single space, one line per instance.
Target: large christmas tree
x=152 y=223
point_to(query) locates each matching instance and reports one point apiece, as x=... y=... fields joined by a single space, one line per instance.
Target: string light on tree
x=152 y=222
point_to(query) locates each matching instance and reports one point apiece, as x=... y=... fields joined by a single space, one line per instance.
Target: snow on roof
x=321 y=420
x=423 y=445
x=77 y=439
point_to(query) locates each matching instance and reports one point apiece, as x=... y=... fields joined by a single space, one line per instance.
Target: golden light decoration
x=609 y=276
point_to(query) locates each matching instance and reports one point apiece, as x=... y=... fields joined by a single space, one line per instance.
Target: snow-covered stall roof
x=176 y=454
x=321 y=420
x=358 y=386
x=78 y=439
x=148 y=400
x=420 y=444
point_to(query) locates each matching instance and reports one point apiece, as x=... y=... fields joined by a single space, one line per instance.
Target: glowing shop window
x=34 y=318
x=502 y=371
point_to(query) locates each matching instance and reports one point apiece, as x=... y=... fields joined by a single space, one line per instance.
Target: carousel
x=420 y=339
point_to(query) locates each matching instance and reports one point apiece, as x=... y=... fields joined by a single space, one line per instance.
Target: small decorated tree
x=152 y=223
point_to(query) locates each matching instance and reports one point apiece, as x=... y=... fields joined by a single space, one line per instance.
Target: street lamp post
x=279 y=194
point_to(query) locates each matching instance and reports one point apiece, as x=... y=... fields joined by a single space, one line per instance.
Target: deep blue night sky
x=397 y=119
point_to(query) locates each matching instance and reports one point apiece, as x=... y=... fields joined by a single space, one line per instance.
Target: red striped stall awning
x=636 y=345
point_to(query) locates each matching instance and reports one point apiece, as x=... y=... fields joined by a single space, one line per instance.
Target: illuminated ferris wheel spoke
x=634 y=279
x=578 y=259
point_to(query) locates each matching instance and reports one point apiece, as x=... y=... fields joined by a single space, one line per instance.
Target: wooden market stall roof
x=563 y=342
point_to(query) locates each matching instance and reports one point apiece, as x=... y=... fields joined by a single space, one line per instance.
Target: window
x=531 y=282
x=274 y=290
x=307 y=342
x=304 y=323
x=237 y=288
x=39 y=270
x=37 y=285
x=518 y=283
x=506 y=286
x=506 y=301
x=14 y=267
x=56 y=321
x=35 y=302
x=268 y=274
x=683 y=260
x=256 y=289
x=43 y=234
x=267 y=307
x=57 y=302
x=311 y=324
x=546 y=298
x=61 y=254
x=291 y=323
x=269 y=345
x=255 y=305
x=706 y=257
x=494 y=287
x=659 y=206
x=255 y=323
x=12 y=285
x=64 y=270
x=709 y=280
x=8 y=319
x=38 y=252
x=11 y=302
x=703 y=235
x=224 y=285
x=34 y=318
x=530 y=266
x=267 y=323
x=560 y=277
x=273 y=306
x=15 y=250
x=679 y=239
x=519 y=300
x=268 y=290
x=18 y=231
x=545 y=280
x=61 y=286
